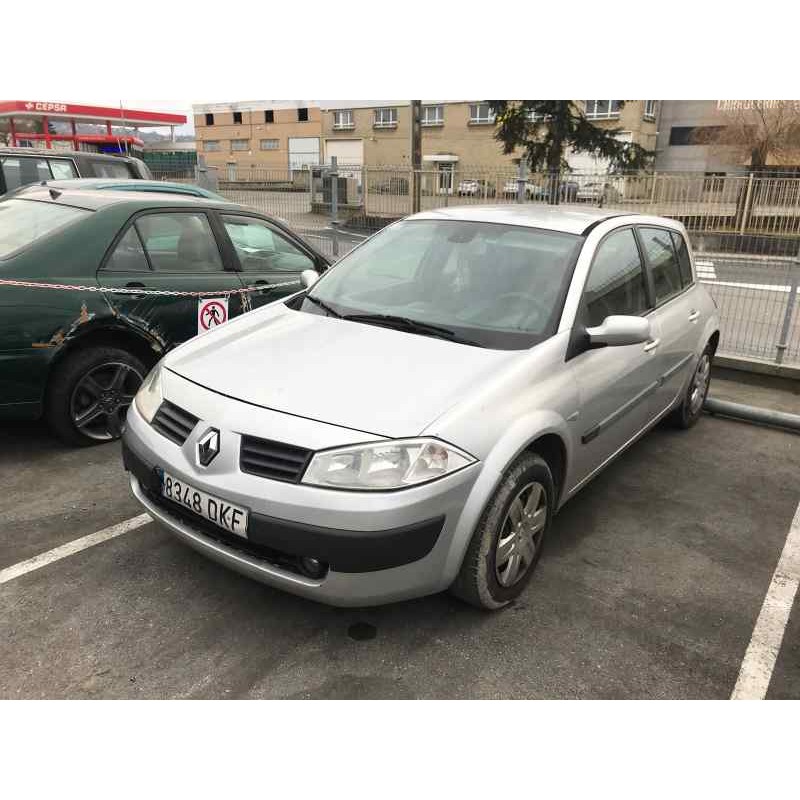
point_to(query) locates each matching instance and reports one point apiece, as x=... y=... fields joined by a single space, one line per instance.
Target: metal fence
x=745 y=229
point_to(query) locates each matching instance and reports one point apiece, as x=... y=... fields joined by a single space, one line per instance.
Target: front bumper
x=380 y=547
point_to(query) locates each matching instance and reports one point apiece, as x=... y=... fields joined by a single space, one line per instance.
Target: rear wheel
x=508 y=540
x=90 y=393
x=691 y=407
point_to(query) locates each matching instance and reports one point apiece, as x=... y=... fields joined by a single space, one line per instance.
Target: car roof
x=41 y=151
x=95 y=199
x=565 y=218
x=136 y=184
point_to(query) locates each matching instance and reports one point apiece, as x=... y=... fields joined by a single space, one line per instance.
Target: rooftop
x=565 y=218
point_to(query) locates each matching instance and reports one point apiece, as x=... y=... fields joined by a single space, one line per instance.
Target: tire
x=690 y=410
x=482 y=580
x=95 y=380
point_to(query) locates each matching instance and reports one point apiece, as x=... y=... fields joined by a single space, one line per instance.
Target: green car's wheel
x=90 y=392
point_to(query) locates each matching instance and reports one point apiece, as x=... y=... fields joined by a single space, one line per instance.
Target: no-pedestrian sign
x=211 y=312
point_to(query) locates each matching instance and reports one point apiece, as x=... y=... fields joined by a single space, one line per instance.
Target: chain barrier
x=135 y=290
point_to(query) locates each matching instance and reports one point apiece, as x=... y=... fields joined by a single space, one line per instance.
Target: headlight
x=385 y=465
x=149 y=396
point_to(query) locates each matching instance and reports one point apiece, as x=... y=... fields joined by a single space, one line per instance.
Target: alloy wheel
x=699 y=387
x=101 y=398
x=521 y=534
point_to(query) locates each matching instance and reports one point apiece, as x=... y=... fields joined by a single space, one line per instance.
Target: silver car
x=414 y=420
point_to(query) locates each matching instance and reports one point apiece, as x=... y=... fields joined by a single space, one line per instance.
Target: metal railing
x=745 y=229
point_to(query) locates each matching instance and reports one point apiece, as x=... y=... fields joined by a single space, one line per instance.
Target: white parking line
x=765 y=643
x=70 y=548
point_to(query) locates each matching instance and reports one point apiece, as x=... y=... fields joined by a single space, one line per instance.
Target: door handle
x=132 y=295
x=264 y=284
x=652 y=345
x=694 y=315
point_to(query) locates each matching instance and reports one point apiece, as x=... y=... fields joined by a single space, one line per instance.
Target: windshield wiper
x=324 y=306
x=411 y=326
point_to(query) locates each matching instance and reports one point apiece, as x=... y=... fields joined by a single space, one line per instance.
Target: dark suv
x=20 y=166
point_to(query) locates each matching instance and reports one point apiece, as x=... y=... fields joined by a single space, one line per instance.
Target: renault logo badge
x=208 y=447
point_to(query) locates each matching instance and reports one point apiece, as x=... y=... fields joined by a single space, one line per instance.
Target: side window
x=179 y=242
x=684 y=263
x=128 y=255
x=23 y=171
x=657 y=244
x=62 y=169
x=616 y=280
x=111 y=169
x=262 y=249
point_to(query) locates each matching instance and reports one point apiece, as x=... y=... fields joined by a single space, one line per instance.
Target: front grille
x=275 y=460
x=173 y=422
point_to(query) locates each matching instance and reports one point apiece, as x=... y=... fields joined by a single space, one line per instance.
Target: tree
x=757 y=131
x=546 y=129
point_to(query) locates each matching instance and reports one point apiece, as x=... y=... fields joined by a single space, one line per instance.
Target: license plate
x=228 y=516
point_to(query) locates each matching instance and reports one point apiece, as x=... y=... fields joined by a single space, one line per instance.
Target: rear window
x=111 y=169
x=22 y=222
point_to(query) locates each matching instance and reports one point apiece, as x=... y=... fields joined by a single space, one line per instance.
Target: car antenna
x=55 y=194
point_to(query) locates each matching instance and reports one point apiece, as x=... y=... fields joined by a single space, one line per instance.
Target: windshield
x=499 y=286
x=22 y=222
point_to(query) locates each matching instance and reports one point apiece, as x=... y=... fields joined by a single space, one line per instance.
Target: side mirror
x=308 y=277
x=619 y=330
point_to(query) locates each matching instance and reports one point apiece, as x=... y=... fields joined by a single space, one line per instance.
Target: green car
x=77 y=355
x=133 y=185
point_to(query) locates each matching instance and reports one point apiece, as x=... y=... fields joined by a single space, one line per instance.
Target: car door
x=170 y=250
x=266 y=256
x=676 y=310
x=615 y=383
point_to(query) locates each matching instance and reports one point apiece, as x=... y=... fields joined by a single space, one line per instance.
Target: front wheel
x=508 y=540
x=89 y=394
x=691 y=407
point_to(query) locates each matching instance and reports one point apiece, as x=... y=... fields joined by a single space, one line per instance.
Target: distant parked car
x=78 y=357
x=532 y=190
x=21 y=166
x=597 y=192
x=476 y=187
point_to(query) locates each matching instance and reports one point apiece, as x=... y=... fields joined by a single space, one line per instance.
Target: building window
x=481 y=114
x=240 y=144
x=237 y=117
x=433 y=115
x=211 y=146
x=343 y=120
x=385 y=118
x=269 y=116
x=209 y=119
x=302 y=115
x=702 y=134
x=270 y=144
x=601 y=109
x=650 y=110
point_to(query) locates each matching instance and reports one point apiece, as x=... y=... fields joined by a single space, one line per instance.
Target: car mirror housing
x=308 y=277
x=619 y=330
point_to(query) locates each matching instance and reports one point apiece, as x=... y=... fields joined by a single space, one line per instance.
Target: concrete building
x=266 y=134
x=679 y=124
x=458 y=132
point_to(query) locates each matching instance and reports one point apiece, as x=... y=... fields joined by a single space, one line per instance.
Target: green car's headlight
x=386 y=465
x=149 y=396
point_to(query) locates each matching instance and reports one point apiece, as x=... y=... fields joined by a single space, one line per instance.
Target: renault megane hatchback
x=414 y=419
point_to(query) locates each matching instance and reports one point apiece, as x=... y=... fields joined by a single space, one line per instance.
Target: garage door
x=347 y=151
x=303 y=151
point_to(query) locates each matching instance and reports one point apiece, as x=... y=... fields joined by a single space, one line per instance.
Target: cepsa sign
x=58 y=107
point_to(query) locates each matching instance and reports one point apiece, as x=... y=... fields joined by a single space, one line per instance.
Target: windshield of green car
x=500 y=286
x=22 y=222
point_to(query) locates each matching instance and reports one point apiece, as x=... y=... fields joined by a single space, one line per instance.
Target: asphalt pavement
x=650 y=588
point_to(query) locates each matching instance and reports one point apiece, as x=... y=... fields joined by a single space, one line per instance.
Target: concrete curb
x=759 y=367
